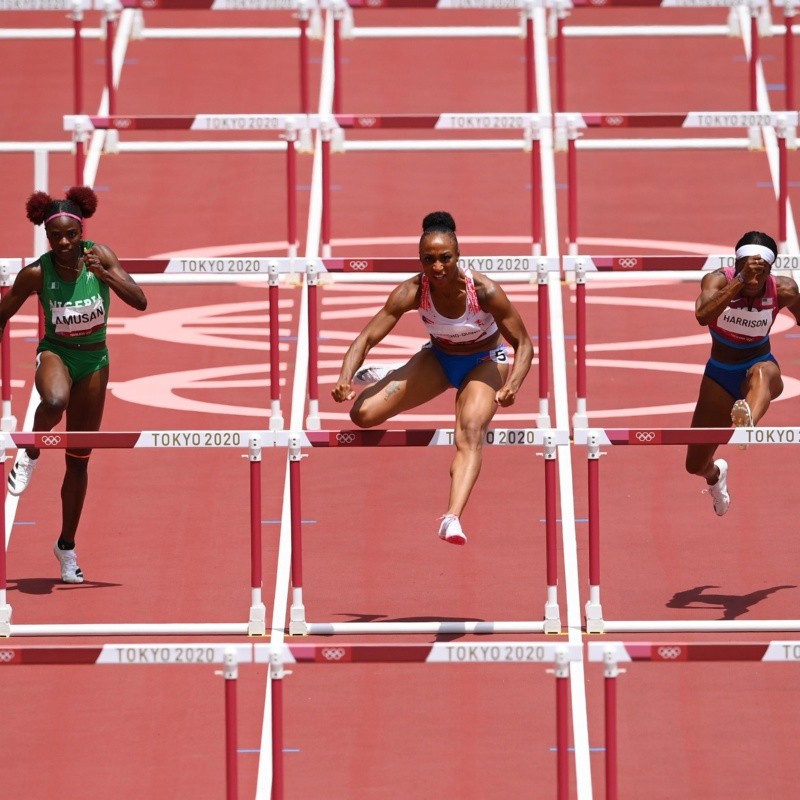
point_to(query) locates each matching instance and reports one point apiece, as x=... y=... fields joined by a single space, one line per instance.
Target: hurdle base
x=448 y=627
x=580 y=420
x=552 y=618
x=702 y=626
x=594 y=618
x=297 y=620
x=257 y=625
x=5 y=620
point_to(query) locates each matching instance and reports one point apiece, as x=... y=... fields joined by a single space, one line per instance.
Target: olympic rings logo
x=345 y=438
x=614 y=121
x=645 y=436
x=51 y=441
x=333 y=653
x=358 y=265
x=367 y=122
x=6 y=656
x=628 y=263
x=669 y=653
x=122 y=123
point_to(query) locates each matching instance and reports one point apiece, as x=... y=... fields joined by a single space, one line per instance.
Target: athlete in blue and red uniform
x=465 y=314
x=739 y=305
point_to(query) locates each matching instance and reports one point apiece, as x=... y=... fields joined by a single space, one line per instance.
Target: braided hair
x=80 y=202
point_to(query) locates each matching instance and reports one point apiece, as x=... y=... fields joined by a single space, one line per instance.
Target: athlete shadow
x=49 y=585
x=734 y=605
x=440 y=637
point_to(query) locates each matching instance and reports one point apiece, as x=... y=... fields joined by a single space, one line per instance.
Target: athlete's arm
x=493 y=299
x=102 y=261
x=402 y=298
x=716 y=292
x=789 y=296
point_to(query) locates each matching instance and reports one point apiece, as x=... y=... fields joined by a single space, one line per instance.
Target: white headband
x=756 y=250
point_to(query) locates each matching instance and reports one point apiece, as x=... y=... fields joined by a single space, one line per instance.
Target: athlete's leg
x=762 y=385
x=475 y=407
x=713 y=410
x=53 y=384
x=419 y=380
x=84 y=413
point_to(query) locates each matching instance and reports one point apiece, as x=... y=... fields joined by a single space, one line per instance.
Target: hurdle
x=594 y=439
x=612 y=654
x=758 y=11
x=679 y=267
x=783 y=125
x=250 y=441
x=332 y=129
x=548 y=440
x=178 y=270
x=455 y=653
x=284 y=125
x=230 y=656
x=499 y=267
x=344 y=28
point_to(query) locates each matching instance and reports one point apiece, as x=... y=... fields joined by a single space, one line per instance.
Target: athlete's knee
x=361 y=416
x=54 y=402
x=470 y=434
x=77 y=461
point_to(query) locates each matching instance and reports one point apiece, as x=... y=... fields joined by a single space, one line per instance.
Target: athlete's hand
x=91 y=258
x=342 y=392
x=505 y=397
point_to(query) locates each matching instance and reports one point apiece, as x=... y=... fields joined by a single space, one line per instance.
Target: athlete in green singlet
x=74 y=281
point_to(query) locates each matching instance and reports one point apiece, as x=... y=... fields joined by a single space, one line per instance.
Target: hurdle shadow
x=440 y=637
x=40 y=586
x=733 y=605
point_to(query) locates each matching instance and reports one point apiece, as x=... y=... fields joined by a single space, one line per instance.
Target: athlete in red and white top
x=739 y=305
x=465 y=314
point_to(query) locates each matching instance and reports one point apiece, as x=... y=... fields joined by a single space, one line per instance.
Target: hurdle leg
x=580 y=417
x=297 y=611
x=594 y=611
x=258 y=613
x=543 y=325
x=276 y=415
x=276 y=694
x=5 y=608
x=231 y=673
x=9 y=421
x=612 y=670
x=788 y=54
x=312 y=420
x=76 y=15
x=552 y=619
x=561 y=672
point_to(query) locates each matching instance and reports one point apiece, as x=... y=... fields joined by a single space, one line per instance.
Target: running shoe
x=21 y=473
x=450 y=530
x=70 y=571
x=719 y=491
x=741 y=417
x=366 y=376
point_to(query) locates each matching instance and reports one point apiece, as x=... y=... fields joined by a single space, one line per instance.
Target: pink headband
x=63 y=214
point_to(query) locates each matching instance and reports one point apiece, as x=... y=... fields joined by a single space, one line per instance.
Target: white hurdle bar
x=570 y=126
x=594 y=439
x=252 y=441
x=612 y=654
x=549 y=440
x=498 y=267
x=634 y=265
x=451 y=653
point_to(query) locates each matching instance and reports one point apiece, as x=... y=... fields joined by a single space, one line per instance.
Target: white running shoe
x=450 y=530
x=70 y=571
x=21 y=473
x=719 y=490
x=741 y=417
x=366 y=376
